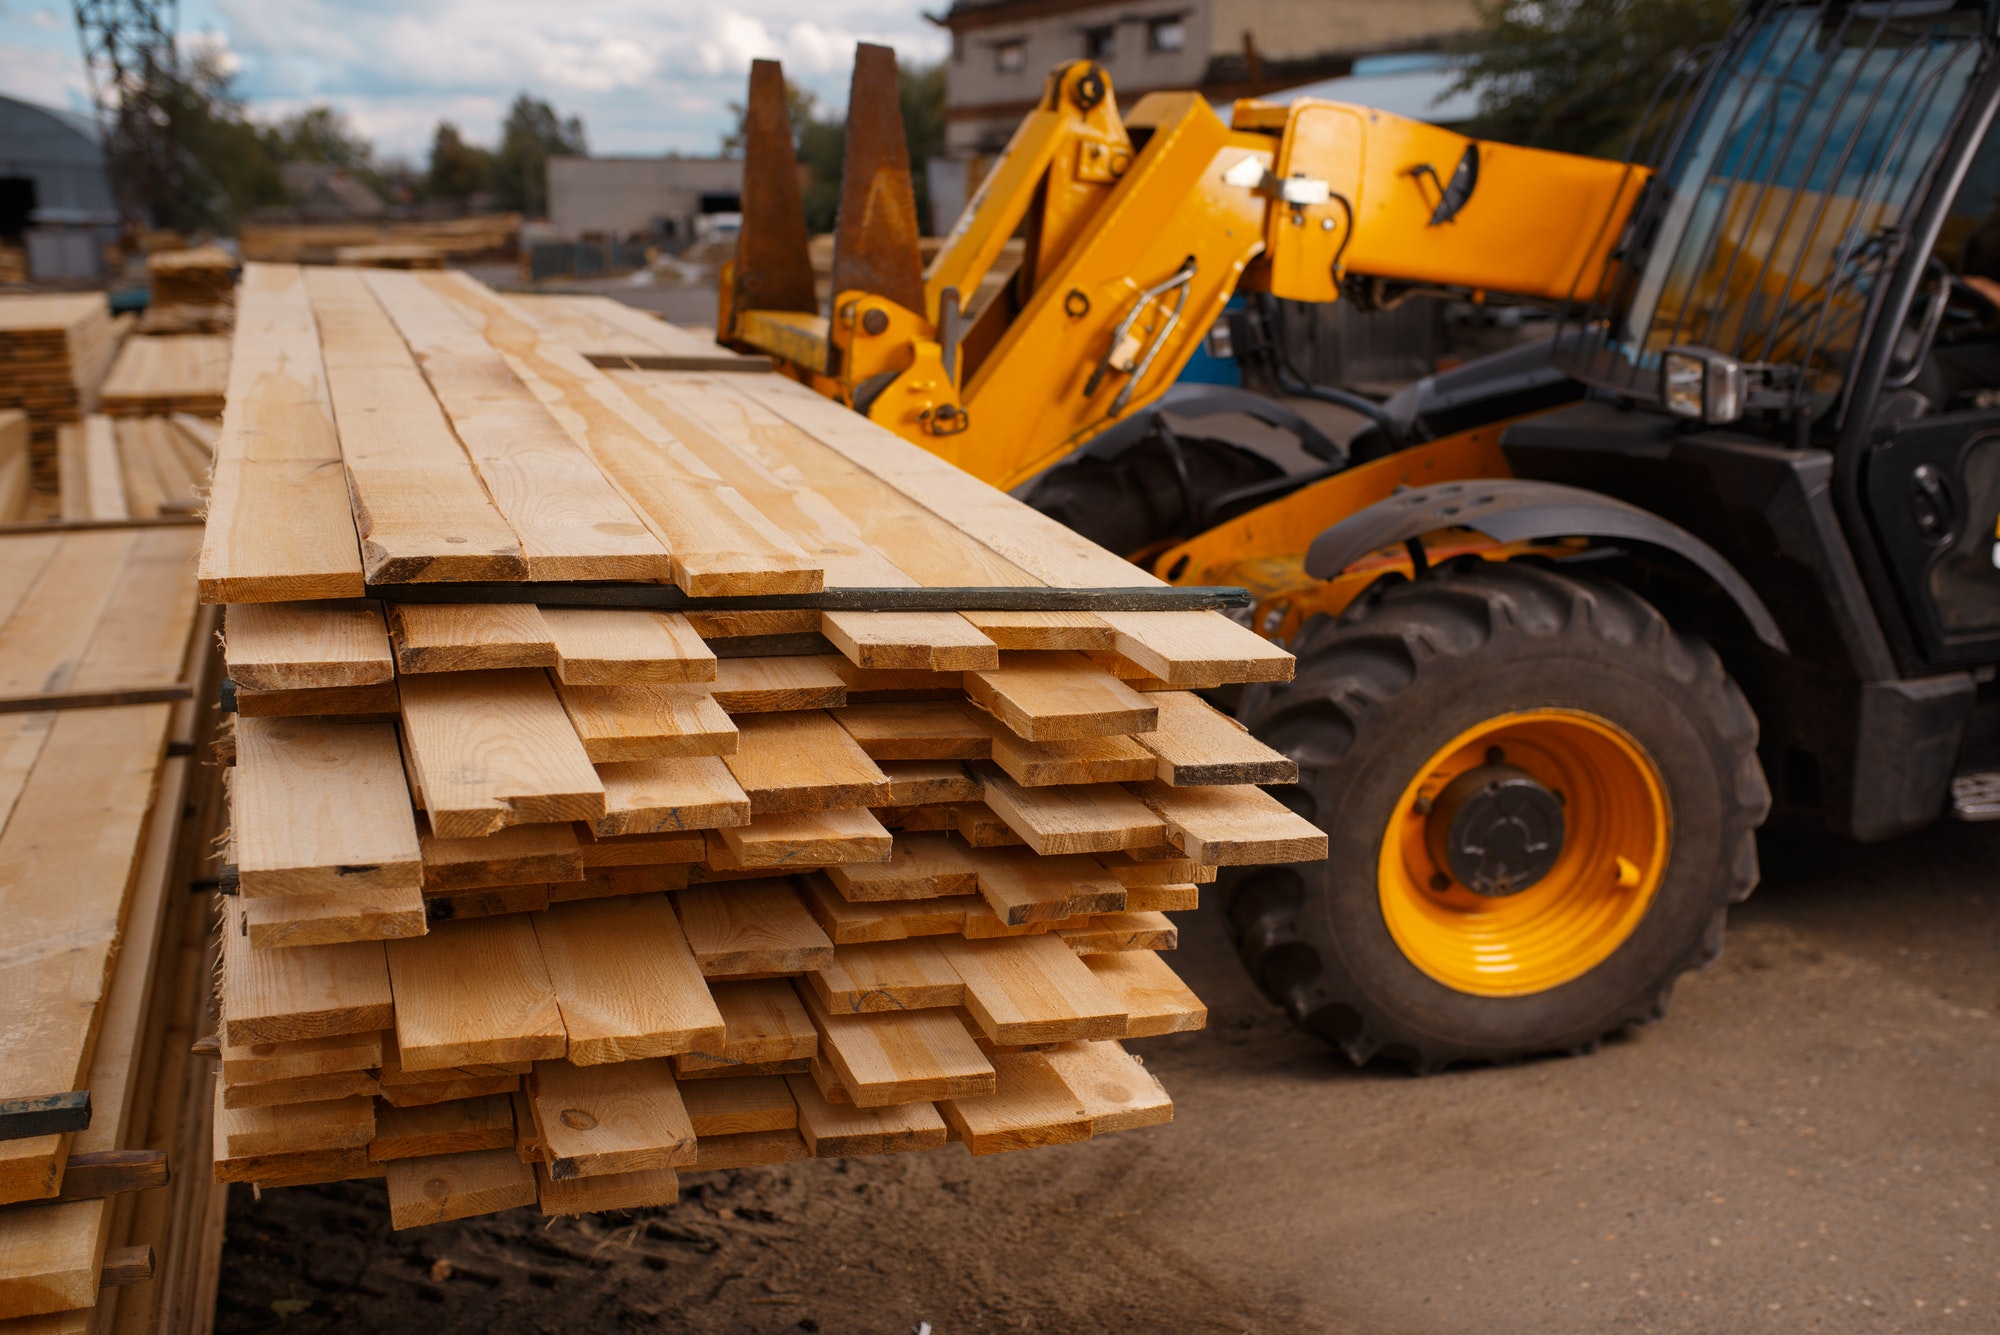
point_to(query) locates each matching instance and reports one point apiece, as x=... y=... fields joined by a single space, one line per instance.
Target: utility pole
x=128 y=48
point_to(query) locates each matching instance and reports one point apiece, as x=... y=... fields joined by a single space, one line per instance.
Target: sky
x=647 y=76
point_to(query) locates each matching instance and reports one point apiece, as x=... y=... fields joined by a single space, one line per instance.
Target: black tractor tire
x=1378 y=692
x=1135 y=499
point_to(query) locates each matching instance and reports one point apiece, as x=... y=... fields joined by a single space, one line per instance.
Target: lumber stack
x=16 y=466
x=641 y=771
x=135 y=467
x=54 y=351
x=108 y=1215
x=179 y=373
x=390 y=255
x=491 y=235
x=192 y=292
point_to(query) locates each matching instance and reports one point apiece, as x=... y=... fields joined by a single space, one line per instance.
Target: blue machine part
x=1214 y=360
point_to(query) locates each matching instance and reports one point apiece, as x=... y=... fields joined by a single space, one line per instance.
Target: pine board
x=626 y=982
x=473 y=992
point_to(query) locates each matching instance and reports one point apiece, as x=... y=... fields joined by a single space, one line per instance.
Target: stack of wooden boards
x=542 y=903
x=192 y=292
x=134 y=467
x=16 y=466
x=173 y=373
x=108 y=813
x=488 y=235
x=54 y=351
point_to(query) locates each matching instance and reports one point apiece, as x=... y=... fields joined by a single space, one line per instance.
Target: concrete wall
x=628 y=196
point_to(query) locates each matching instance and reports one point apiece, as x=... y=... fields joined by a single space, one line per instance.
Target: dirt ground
x=1809 y=1142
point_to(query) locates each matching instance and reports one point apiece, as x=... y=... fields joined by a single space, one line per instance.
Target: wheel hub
x=1496 y=829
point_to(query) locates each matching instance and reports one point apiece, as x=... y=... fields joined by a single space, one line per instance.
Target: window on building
x=957 y=48
x=1010 y=57
x=1100 y=44
x=1166 y=35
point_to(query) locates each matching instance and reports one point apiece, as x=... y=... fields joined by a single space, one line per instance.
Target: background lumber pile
x=135 y=467
x=54 y=351
x=109 y=1218
x=543 y=904
x=192 y=292
x=177 y=373
x=487 y=236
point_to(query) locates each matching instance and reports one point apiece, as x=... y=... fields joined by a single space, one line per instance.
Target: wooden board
x=247 y=1063
x=751 y=927
x=918 y=730
x=764 y=1022
x=1151 y=994
x=626 y=982
x=641 y=1189
x=920 y=866
x=626 y=647
x=647 y=722
x=1197 y=744
x=570 y=520
x=1053 y=697
x=643 y=850
x=459 y=1127
x=924 y=641
x=332 y=1124
x=749 y=1149
x=886 y=976
x=803 y=761
x=771 y=685
x=297 y=646
x=305 y=1089
x=739 y=1107
x=1086 y=760
x=277 y=996
x=894 y=1057
x=801 y=839
x=1233 y=826
x=1117 y=1092
x=1023 y=887
x=882 y=920
x=1043 y=630
x=1032 y=989
x=1032 y=1107
x=658 y=796
x=1197 y=648
x=720 y=544
x=473 y=992
x=623 y=1117
x=1092 y=818
x=420 y=509
x=1111 y=933
x=517 y=855
x=320 y=807
x=435 y=1188
x=926 y=782
x=1162 y=898
x=324 y=918
x=834 y=1131
x=469 y=637
x=493 y=749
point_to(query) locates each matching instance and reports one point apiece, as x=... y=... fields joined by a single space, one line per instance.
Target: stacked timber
x=192 y=292
x=642 y=771
x=16 y=466
x=135 y=467
x=54 y=351
x=390 y=255
x=179 y=373
x=109 y=1217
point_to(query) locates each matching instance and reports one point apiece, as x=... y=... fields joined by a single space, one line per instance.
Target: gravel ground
x=1809 y=1142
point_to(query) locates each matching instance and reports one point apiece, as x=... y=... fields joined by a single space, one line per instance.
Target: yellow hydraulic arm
x=1136 y=231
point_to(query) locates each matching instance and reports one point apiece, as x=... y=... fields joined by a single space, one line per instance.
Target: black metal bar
x=1808 y=102
x=668 y=598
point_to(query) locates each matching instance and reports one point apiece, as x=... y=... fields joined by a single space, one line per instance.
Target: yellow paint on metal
x=1619 y=830
x=792 y=335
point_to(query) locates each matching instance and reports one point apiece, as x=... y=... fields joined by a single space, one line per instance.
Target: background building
x=55 y=196
x=1001 y=50
x=660 y=199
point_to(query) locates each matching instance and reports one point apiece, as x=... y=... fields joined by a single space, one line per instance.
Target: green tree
x=1578 y=75
x=227 y=167
x=321 y=134
x=533 y=134
x=458 y=170
x=920 y=89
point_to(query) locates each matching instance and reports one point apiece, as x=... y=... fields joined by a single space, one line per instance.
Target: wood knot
x=576 y=1119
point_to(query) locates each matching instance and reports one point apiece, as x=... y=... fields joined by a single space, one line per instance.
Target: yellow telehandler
x=1571 y=621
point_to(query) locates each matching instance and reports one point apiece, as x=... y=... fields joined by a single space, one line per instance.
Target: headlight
x=1706 y=386
x=1680 y=384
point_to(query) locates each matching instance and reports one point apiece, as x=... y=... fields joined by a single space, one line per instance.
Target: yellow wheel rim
x=1617 y=832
